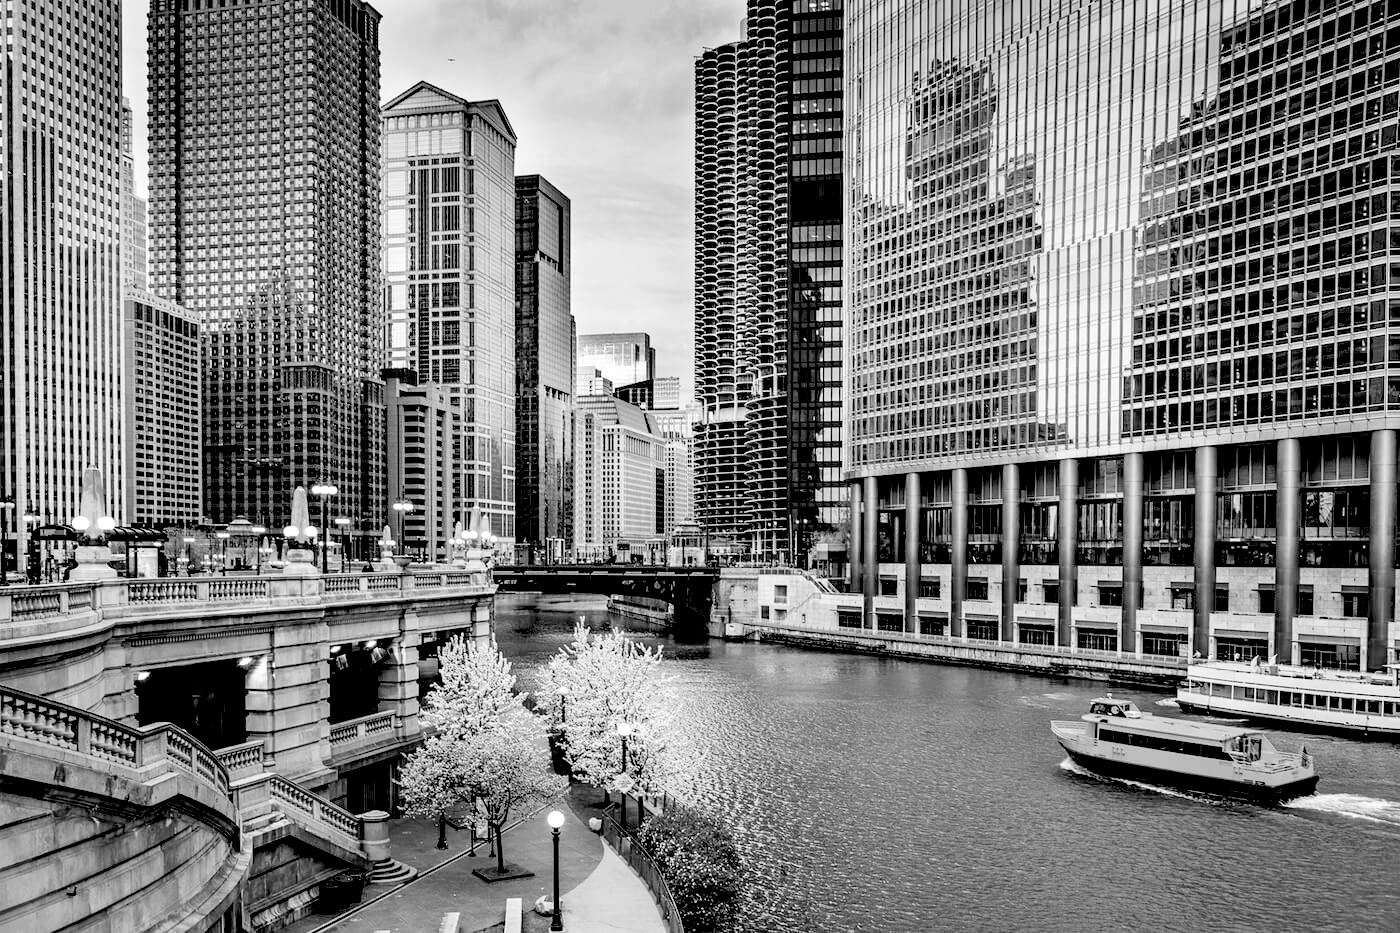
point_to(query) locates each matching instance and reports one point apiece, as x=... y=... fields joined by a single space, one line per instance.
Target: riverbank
x=655 y=614
x=1165 y=673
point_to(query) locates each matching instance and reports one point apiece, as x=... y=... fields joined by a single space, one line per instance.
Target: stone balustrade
x=242 y=760
x=270 y=793
x=28 y=604
x=25 y=716
x=353 y=733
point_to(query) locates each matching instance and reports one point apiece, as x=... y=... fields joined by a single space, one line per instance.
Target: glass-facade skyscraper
x=544 y=370
x=60 y=261
x=768 y=261
x=449 y=259
x=264 y=220
x=1124 y=290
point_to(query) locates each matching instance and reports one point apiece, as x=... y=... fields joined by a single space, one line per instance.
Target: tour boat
x=1116 y=739
x=1335 y=700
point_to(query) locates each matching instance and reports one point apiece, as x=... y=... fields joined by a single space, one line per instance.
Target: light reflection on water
x=872 y=794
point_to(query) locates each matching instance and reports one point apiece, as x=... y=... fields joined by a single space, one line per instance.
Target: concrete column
x=856 y=549
x=1288 y=522
x=913 y=570
x=1068 y=543
x=958 y=557
x=1010 y=547
x=1382 y=551
x=1133 y=482
x=870 y=568
x=1204 y=549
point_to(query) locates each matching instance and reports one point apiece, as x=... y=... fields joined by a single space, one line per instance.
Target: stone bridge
x=690 y=590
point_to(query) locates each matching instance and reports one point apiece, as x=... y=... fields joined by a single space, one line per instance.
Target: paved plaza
x=601 y=894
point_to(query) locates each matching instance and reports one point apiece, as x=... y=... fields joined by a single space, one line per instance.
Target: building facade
x=264 y=209
x=768 y=274
x=424 y=430
x=449 y=258
x=620 y=484
x=133 y=213
x=1122 y=373
x=161 y=366
x=544 y=369
x=623 y=359
x=60 y=260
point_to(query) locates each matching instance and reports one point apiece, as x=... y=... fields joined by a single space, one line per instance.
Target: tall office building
x=160 y=347
x=60 y=262
x=620 y=482
x=449 y=255
x=666 y=392
x=264 y=132
x=623 y=359
x=1123 y=295
x=424 y=431
x=133 y=213
x=544 y=370
x=768 y=279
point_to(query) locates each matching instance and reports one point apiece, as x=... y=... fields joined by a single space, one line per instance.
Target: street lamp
x=223 y=552
x=402 y=508
x=342 y=523
x=258 y=531
x=31 y=562
x=189 y=566
x=556 y=822
x=325 y=491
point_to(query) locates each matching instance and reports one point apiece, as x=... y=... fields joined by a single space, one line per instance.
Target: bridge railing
x=25 y=604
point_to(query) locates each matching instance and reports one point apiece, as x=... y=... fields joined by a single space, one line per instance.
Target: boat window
x=1271 y=696
x=1373 y=707
x=1389 y=708
x=1346 y=704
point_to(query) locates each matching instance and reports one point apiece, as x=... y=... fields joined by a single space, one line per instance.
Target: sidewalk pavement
x=601 y=894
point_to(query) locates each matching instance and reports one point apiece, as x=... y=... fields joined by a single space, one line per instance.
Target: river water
x=875 y=794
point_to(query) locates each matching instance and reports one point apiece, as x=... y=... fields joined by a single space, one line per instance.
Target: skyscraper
x=450 y=254
x=1123 y=294
x=544 y=368
x=623 y=359
x=60 y=262
x=133 y=213
x=768 y=279
x=264 y=130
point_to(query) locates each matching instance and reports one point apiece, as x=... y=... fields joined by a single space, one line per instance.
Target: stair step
x=391 y=871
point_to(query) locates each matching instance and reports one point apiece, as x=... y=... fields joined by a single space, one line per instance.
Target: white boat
x=1335 y=700
x=1115 y=738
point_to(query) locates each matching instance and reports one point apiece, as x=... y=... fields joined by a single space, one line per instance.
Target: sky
x=601 y=98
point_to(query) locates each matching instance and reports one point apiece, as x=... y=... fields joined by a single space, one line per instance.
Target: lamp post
x=7 y=505
x=189 y=566
x=223 y=552
x=325 y=491
x=258 y=531
x=402 y=507
x=556 y=822
x=624 y=729
x=31 y=556
x=342 y=523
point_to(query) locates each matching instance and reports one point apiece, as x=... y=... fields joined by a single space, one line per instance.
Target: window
x=1162 y=645
x=1334 y=657
x=1021 y=589
x=1305 y=601
x=780 y=594
x=763 y=612
x=1110 y=593
x=977 y=588
x=1183 y=596
x=1052 y=591
x=931 y=588
x=1266 y=599
x=889 y=586
x=1094 y=640
x=889 y=622
x=1222 y=598
x=848 y=618
x=1356 y=603
x=929 y=626
x=982 y=630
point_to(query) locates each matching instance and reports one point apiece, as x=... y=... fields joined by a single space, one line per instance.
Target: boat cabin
x=1108 y=706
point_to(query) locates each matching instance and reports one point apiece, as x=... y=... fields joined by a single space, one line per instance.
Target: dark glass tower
x=544 y=370
x=768 y=279
x=265 y=221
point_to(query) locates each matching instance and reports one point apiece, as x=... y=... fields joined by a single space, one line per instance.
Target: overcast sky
x=600 y=95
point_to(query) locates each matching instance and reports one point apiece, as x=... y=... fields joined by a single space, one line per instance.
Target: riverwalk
x=600 y=893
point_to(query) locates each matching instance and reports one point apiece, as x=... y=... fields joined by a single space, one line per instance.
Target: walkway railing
x=59 y=725
x=646 y=868
x=375 y=727
x=263 y=793
x=242 y=760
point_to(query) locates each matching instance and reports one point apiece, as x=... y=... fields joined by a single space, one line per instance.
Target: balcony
x=355 y=738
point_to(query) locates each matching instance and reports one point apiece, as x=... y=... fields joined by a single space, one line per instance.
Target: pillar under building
x=913 y=570
x=958 y=557
x=1204 y=550
x=1381 y=561
x=870 y=569
x=1288 y=523
x=1068 y=546
x=1133 y=483
x=856 y=551
x=1010 y=547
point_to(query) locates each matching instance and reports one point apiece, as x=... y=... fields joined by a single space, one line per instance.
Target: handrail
x=364 y=727
x=644 y=864
x=36 y=719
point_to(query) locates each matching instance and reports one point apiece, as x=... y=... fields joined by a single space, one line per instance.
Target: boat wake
x=1069 y=765
x=1352 y=806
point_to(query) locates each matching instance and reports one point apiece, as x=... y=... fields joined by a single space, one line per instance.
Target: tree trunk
x=500 y=851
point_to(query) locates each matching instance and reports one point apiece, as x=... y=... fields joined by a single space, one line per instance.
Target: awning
x=1240 y=633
